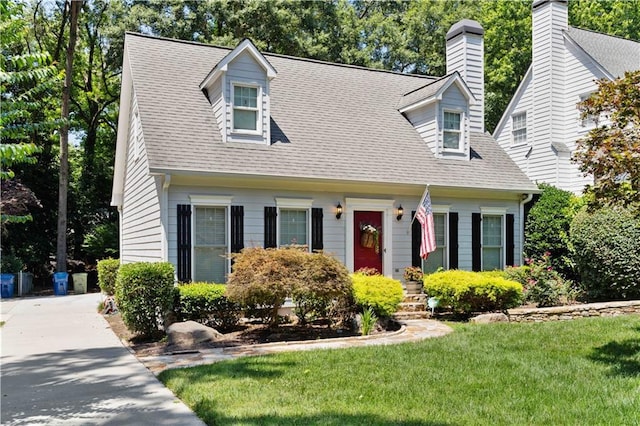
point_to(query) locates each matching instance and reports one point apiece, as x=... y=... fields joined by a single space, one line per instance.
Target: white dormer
x=440 y=112
x=238 y=90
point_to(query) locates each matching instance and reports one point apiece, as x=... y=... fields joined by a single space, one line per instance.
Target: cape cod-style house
x=220 y=149
x=541 y=125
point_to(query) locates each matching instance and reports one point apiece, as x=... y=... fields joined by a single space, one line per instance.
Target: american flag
x=424 y=214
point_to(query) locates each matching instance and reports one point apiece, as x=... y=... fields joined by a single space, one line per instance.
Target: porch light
x=400 y=212
x=338 y=211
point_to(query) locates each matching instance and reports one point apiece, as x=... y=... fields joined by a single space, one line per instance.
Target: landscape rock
x=190 y=333
x=489 y=318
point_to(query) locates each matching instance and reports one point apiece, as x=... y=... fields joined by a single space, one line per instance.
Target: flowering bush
x=413 y=273
x=368 y=271
x=541 y=283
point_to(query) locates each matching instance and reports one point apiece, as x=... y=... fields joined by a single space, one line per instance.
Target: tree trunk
x=63 y=186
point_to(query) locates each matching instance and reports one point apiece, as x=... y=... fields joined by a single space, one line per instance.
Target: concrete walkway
x=411 y=331
x=62 y=364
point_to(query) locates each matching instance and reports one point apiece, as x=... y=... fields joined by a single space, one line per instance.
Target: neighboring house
x=220 y=149
x=541 y=125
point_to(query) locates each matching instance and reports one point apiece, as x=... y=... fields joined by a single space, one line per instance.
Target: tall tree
x=63 y=186
x=611 y=152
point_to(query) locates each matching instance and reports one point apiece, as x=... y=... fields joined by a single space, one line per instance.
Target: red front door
x=365 y=255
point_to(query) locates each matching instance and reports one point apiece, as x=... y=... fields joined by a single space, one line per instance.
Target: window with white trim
x=492 y=242
x=452 y=130
x=246 y=114
x=590 y=120
x=438 y=258
x=519 y=128
x=210 y=263
x=294 y=226
x=294 y=222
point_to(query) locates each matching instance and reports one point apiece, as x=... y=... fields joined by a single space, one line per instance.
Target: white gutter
x=527 y=198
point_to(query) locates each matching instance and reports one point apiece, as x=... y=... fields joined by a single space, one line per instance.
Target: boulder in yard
x=190 y=333
x=489 y=318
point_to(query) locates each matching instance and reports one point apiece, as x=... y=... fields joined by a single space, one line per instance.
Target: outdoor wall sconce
x=400 y=212
x=338 y=211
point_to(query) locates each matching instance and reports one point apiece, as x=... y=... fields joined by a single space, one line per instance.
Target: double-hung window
x=210 y=244
x=452 y=130
x=590 y=120
x=492 y=242
x=519 y=128
x=245 y=108
x=294 y=222
x=438 y=258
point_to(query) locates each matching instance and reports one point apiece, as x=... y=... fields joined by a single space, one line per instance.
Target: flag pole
x=424 y=194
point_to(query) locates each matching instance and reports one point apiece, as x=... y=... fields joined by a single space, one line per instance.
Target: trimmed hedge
x=144 y=295
x=380 y=293
x=107 y=274
x=206 y=303
x=467 y=292
x=606 y=246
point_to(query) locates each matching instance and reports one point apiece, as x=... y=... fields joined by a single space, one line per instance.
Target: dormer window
x=452 y=130
x=246 y=114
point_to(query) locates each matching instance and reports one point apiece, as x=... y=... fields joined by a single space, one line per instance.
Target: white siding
x=141 y=232
x=424 y=121
x=465 y=54
x=218 y=105
x=245 y=69
x=334 y=236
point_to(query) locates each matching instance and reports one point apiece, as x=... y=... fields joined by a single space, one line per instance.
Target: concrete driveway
x=61 y=364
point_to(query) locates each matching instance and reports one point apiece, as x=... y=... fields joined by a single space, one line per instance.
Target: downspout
x=526 y=199
x=164 y=216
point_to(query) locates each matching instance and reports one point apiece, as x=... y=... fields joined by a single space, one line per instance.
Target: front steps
x=414 y=306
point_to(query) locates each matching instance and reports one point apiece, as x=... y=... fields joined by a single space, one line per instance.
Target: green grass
x=581 y=372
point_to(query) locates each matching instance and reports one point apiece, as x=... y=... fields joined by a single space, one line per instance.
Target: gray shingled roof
x=425 y=92
x=614 y=54
x=328 y=122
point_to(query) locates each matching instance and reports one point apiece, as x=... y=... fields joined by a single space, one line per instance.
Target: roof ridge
x=604 y=34
x=278 y=55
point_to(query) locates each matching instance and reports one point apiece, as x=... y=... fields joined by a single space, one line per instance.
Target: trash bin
x=79 y=282
x=6 y=281
x=60 y=283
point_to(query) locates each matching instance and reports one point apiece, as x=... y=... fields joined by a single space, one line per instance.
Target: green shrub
x=541 y=284
x=10 y=264
x=547 y=228
x=606 y=246
x=380 y=293
x=468 y=292
x=107 y=273
x=144 y=295
x=207 y=304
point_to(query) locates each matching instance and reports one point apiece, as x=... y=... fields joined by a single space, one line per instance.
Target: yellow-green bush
x=378 y=292
x=467 y=292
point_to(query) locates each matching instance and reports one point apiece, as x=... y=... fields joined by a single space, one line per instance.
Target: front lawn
x=562 y=373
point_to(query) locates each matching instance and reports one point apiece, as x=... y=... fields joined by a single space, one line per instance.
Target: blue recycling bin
x=6 y=281
x=60 y=283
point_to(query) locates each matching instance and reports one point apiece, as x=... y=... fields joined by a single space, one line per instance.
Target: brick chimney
x=465 y=54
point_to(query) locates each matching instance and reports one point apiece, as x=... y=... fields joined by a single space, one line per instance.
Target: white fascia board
x=572 y=42
x=222 y=66
x=508 y=111
x=122 y=137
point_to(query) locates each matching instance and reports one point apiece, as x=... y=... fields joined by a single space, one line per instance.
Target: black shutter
x=416 y=236
x=237 y=229
x=453 y=240
x=510 y=243
x=184 y=243
x=270 y=221
x=476 y=244
x=316 y=229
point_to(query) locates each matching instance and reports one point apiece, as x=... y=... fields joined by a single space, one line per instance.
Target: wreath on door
x=370 y=237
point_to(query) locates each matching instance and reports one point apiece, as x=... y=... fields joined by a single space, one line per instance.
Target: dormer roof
x=433 y=91
x=245 y=45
